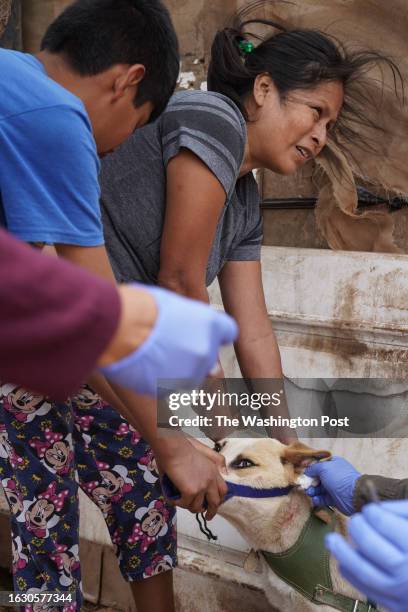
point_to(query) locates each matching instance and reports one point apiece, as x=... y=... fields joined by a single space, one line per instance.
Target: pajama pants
x=47 y=451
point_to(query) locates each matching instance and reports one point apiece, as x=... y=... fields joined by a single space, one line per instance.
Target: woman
x=179 y=200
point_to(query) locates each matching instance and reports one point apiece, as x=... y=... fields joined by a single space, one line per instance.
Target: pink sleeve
x=55 y=320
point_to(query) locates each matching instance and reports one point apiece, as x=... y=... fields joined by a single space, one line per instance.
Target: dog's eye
x=242 y=464
x=217 y=447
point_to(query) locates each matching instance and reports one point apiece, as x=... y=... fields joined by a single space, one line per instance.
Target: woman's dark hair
x=297 y=59
x=93 y=35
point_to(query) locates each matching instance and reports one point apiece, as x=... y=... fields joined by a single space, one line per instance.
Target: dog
x=273 y=525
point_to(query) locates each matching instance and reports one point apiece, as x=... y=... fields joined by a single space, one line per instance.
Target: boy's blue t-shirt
x=49 y=167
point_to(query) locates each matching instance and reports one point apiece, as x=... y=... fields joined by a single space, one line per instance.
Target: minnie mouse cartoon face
x=55 y=451
x=152 y=525
x=153 y=522
x=24 y=404
x=42 y=513
x=87 y=398
x=111 y=488
x=102 y=499
x=58 y=455
x=25 y=401
x=37 y=516
x=112 y=482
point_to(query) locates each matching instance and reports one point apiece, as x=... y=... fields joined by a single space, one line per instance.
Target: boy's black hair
x=94 y=35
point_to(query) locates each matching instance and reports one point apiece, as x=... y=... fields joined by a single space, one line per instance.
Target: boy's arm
x=194 y=474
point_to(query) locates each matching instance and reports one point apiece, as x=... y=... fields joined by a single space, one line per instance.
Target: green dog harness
x=306 y=567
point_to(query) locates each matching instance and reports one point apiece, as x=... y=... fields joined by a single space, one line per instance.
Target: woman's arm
x=344 y=487
x=256 y=349
x=243 y=297
x=195 y=199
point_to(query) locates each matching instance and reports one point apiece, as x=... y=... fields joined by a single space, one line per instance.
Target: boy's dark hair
x=93 y=35
x=297 y=59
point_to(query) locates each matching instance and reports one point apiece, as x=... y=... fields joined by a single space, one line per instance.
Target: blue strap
x=234 y=490
x=237 y=490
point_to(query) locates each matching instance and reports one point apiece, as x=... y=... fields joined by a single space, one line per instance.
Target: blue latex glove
x=378 y=565
x=184 y=344
x=337 y=483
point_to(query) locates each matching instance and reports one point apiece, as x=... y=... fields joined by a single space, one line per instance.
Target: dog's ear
x=300 y=455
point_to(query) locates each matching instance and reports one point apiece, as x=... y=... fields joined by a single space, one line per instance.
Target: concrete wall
x=10 y=24
x=339 y=314
x=196 y=22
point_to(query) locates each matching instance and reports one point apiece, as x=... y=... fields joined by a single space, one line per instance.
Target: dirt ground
x=6 y=584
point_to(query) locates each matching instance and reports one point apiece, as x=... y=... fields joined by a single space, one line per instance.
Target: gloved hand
x=337 y=483
x=378 y=565
x=184 y=344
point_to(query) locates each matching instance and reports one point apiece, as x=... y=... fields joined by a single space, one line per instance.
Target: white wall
x=336 y=315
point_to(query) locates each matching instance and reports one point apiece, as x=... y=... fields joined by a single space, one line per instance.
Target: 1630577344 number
x=44 y=599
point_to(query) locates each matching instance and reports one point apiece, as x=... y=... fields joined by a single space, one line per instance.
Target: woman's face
x=286 y=133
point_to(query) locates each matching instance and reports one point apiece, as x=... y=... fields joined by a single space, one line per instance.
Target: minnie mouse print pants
x=47 y=451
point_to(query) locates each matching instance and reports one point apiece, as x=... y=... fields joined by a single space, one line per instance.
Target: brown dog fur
x=274 y=524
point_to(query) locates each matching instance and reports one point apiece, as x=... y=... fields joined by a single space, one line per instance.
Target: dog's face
x=263 y=463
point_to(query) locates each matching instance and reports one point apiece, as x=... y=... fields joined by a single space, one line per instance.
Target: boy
x=106 y=68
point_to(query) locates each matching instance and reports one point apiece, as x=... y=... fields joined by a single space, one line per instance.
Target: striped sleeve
x=211 y=127
x=249 y=246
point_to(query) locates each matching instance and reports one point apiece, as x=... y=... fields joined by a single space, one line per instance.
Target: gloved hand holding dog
x=183 y=344
x=377 y=563
x=337 y=484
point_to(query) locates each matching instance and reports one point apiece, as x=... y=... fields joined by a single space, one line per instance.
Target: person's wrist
x=166 y=448
x=138 y=317
x=359 y=498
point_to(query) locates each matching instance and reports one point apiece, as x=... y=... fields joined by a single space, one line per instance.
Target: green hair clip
x=246 y=46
